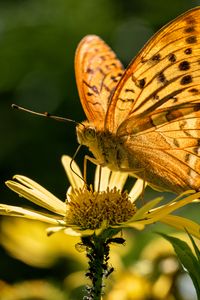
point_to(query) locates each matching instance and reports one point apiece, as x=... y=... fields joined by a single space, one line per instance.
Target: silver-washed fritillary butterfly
x=145 y=119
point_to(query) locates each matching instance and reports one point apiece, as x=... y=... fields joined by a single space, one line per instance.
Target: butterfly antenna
x=61 y=119
x=71 y=162
x=45 y=114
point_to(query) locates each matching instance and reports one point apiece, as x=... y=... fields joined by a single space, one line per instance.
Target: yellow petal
x=166 y=209
x=182 y=224
x=118 y=179
x=73 y=173
x=137 y=189
x=51 y=230
x=9 y=210
x=144 y=211
x=70 y=231
x=28 y=189
x=188 y=192
x=137 y=225
x=102 y=183
x=33 y=185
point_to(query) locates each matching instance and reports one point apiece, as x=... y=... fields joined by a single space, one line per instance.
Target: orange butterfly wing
x=165 y=74
x=156 y=106
x=97 y=73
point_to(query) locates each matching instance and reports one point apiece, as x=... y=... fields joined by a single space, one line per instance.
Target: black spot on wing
x=186 y=79
x=161 y=77
x=189 y=29
x=194 y=91
x=176 y=143
x=188 y=51
x=191 y=39
x=90 y=71
x=129 y=90
x=184 y=65
x=190 y=20
x=141 y=83
x=172 y=57
x=156 y=57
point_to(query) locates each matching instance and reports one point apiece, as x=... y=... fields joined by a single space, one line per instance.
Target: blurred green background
x=38 y=39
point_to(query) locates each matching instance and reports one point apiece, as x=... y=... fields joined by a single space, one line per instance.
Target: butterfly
x=145 y=119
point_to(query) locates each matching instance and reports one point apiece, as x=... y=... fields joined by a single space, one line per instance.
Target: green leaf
x=195 y=247
x=187 y=259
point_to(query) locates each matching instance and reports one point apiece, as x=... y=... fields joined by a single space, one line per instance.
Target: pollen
x=88 y=209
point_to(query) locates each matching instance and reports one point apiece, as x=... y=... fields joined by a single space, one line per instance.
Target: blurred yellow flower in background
x=156 y=274
x=31 y=289
x=27 y=242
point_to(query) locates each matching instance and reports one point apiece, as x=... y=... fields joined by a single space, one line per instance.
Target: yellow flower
x=93 y=209
x=130 y=286
x=26 y=241
x=31 y=289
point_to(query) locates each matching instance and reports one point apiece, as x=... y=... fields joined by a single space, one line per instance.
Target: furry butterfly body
x=145 y=120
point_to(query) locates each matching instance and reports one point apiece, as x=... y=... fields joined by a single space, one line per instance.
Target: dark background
x=38 y=39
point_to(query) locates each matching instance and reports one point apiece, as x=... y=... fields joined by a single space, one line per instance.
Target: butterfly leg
x=144 y=185
x=142 y=176
x=92 y=160
x=99 y=181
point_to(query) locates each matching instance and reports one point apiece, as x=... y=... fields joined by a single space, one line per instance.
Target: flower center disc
x=88 y=209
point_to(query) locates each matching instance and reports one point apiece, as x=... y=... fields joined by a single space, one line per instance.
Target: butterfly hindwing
x=183 y=138
x=169 y=156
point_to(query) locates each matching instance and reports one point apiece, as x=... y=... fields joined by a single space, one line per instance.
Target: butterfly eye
x=90 y=133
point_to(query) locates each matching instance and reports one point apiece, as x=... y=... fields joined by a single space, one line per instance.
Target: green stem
x=98 y=265
x=97 y=251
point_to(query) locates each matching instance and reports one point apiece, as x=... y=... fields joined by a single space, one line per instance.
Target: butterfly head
x=86 y=134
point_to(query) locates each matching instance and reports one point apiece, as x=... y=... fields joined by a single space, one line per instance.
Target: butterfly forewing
x=97 y=74
x=164 y=74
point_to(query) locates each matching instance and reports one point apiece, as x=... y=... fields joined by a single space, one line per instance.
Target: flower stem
x=97 y=251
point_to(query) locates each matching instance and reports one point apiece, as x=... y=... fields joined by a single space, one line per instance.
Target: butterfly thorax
x=106 y=147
